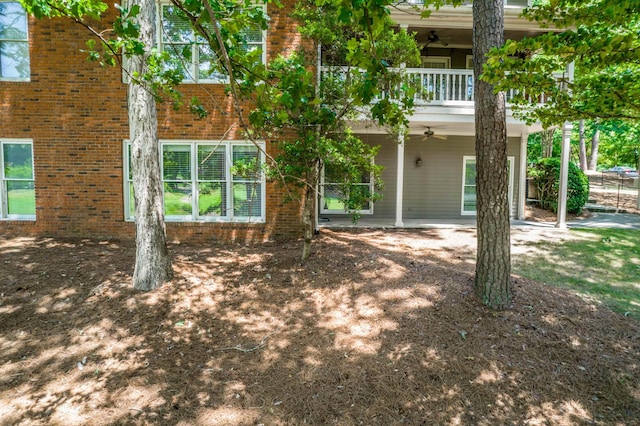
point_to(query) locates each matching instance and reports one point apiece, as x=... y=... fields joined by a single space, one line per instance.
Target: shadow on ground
x=379 y=327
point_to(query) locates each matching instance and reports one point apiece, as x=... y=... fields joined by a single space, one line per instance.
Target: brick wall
x=76 y=114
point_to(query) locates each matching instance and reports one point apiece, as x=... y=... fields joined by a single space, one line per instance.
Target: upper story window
x=14 y=42
x=17 y=193
x=190 y=52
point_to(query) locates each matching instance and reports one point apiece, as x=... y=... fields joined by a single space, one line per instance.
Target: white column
x=400 y=180
x=522 y=177
x=567 y=127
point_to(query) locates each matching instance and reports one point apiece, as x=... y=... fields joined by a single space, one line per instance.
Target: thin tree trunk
x=493 y=267
x=583 y=147
x=153 y=263
x=309 y=210
x=307 y=220
x=546 y=141
x=595 y=145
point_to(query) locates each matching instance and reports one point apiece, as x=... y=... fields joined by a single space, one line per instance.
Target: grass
x=179 y=203
x=602 y=265
x=22 y=201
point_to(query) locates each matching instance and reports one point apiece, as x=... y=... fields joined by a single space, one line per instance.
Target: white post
x=567 y=127
x=522 y=177
x=400 y=180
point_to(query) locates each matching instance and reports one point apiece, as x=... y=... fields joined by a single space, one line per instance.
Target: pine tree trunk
x=583 y=148
x=153 y=263
x=595 y=145
x=493 y=267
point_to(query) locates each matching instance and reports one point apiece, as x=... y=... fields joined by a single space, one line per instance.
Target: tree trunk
x=583 y=148
x=307 y=220
x=153 y=263
x=546 y=142
x=595 y=145
x=309 y=210
x=493 y=267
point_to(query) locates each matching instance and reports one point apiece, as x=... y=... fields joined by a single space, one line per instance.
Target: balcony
x=435 y=86
x=507 y=3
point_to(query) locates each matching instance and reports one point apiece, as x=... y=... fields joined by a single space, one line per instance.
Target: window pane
x=253 y=35
x=212 y=199
x=129 y=168
x=211 y=163
x=18 y=161
x=21 y=198
x=208 y=64
x=132 y=202
x=14 y=59
x=177 y=199
x=175 y=26
x=470 y=198
x=470 y=172
x=13 y=21
x=333 y=197
x=246 y=160
x=177 y=61
x=14 y=47
x=176 y=162
x=247 y=199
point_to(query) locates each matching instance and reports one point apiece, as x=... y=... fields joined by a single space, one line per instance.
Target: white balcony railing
x=437 y=86
x=507 y=3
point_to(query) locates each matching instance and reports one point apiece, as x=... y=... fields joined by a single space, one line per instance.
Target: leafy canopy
x=602 y=38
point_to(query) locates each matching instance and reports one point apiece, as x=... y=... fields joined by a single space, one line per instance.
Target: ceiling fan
x=434 y=38
x=431 y=134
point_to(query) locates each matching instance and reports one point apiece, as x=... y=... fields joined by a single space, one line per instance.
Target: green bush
x=546 y=176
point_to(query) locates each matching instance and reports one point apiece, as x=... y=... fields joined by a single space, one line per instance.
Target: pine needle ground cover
x=377 y=328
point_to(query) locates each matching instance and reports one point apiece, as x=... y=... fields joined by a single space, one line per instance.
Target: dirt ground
x=377 y=328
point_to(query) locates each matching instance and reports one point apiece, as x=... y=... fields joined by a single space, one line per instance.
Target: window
x=440 y=62
x=208 y=181
x=14 y=42
x=332 y=195
x=190 y=52
x=469 y=184
x=17 y=193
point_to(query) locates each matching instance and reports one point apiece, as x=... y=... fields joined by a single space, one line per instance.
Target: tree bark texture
x=153 y=263
x=307 y=220
x=546 y=142
x=583 y=147
x=493 y=266
x=309 y=210
x=595 y=146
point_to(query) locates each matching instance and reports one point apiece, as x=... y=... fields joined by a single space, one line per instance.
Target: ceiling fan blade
x=443 y=137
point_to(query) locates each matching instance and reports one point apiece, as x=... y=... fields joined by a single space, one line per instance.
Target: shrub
x=546 y=176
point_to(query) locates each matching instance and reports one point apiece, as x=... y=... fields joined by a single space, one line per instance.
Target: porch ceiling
x=459 y=38
x=460 y=17
x=445 y=126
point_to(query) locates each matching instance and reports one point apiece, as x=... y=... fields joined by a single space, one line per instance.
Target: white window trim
x=190 y=72
x=466 y=158
x=329 y=211
x=230 y=217
x=4 y=206
x=469 y=62
x=445 y=60
x=19 y=79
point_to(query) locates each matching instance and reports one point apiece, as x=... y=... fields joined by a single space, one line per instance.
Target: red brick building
x=64 y=131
